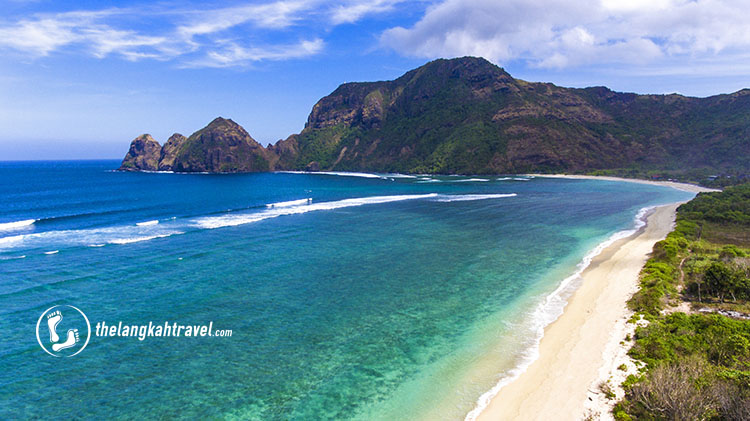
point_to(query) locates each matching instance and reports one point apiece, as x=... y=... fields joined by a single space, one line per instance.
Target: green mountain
x=143 y=154
x=469 y=116
x=222 y=146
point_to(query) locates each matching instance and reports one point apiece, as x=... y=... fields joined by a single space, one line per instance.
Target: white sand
x=583 y=345
x=675 y=185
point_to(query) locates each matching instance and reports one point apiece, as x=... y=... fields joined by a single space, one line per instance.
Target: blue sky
x=81 y=79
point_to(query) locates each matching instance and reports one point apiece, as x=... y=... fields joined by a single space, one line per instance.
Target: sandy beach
x=673 y=184
x=583 y=347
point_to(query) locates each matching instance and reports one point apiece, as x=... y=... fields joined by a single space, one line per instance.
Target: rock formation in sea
x=469 y=116
x=222 y=146
x=143 y=154
x=169 y=152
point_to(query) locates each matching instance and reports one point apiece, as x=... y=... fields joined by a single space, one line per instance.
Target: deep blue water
x=372 y=300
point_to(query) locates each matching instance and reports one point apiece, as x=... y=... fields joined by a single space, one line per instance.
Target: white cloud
x=37 y=37
x=233 y=54
x=197 y=36
x=352 y=12
x=554 y=33
x=276 y=15
x=132 y=46
x=48 y=33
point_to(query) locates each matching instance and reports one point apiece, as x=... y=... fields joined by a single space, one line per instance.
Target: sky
x=81 y=79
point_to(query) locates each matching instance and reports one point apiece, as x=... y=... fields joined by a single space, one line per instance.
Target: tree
x=719 y=279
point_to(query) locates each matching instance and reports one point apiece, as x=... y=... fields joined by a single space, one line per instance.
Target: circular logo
x=63 y=331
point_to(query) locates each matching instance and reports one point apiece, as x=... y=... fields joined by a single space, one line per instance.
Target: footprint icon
x=71 y=341
x=53 y=319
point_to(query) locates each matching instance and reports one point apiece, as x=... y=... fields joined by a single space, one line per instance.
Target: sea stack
x=144 y=155
x=169 y=152
x=222 y=146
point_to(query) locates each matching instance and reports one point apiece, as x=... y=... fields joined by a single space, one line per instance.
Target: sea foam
x=385 y=176
x=7 y=226
x=290 y=203
x=23 y=256
x=550 y=308
x=468 y=197
x=470 y=180
x=339 y=173
x=9 y=241
x=149 y=230
x=229 y=220
x=130 y=240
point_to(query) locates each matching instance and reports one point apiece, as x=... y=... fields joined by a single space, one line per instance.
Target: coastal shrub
x=727 y=278
x=606 y=389
x=657 y=282
x=669 y=248
x=733 y=400
x=730 y=251
x=646 y=300
x=718 y=279
x=674 y=391
x=697 y=365
x=722 y=341
x=685 y=229
x=731 y=206
x=630 y=381
x=620 y=414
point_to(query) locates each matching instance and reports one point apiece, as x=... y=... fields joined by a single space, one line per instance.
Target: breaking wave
x=7 y=226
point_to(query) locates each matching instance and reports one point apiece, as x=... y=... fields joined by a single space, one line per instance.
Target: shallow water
x=354 y=297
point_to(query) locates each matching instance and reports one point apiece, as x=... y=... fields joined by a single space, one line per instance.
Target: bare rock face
x=169 y=152
x=143 y=155
x=285 y=150
x=222 y=146
x=469 y=116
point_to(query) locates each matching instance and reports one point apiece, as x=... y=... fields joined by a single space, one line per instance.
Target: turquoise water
x=379 y=298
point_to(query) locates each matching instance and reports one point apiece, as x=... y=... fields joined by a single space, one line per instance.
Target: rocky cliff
x=143 y=155
x=169 y=152
x=222 y=146
x=469 y=116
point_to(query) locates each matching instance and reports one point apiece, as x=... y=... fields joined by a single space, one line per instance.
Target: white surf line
x=7 y=226
x=550 y=310
x=468 y=197
x=339 y=173
x=123 y=235
x=290 y=203
x=240 y=219
x=130 y=240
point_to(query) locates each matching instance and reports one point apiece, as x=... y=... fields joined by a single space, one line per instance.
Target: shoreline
x=571 y=358
x=608 y=355
x=692 y=188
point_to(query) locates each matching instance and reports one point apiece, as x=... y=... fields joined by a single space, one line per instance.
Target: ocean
x=348 y=296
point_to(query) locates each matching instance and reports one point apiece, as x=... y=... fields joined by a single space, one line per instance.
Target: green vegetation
x=469 y=116
x=697 y=366
x=322 y=145
x=731 y=207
